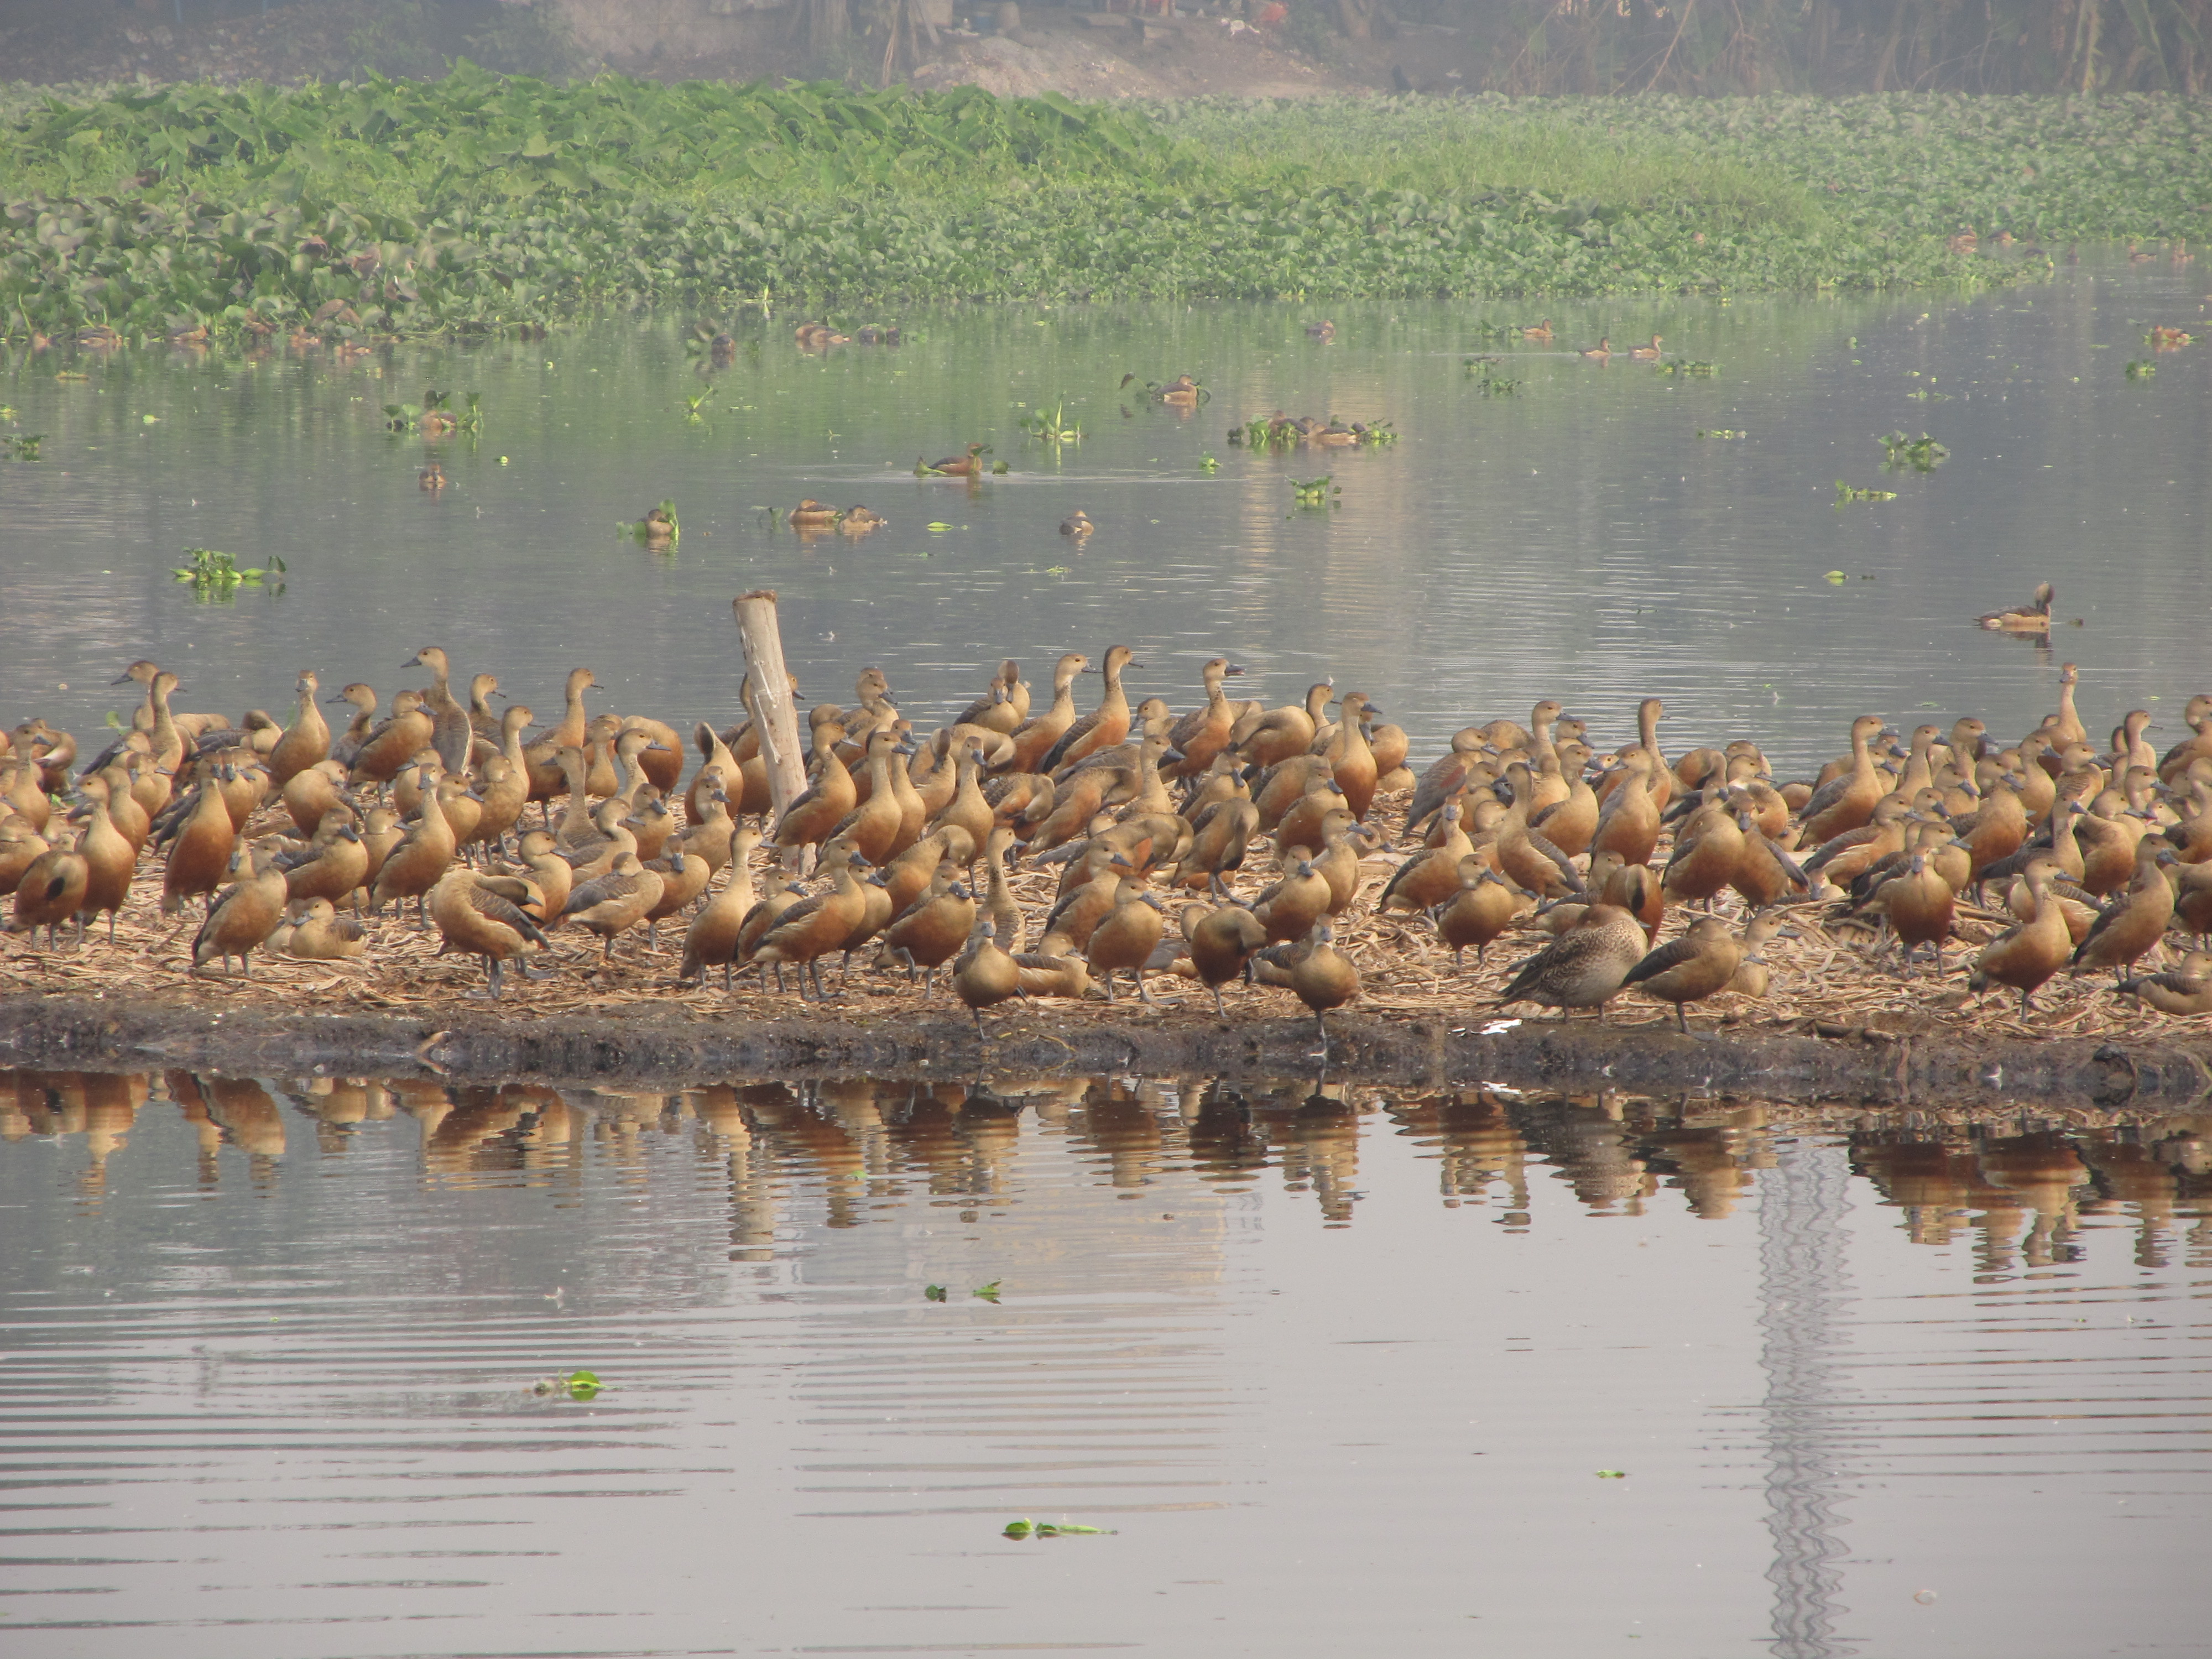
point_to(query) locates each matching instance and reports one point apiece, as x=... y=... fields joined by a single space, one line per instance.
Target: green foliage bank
x=477 y=203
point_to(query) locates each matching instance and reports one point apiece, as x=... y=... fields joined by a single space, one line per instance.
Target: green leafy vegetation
x=1922 y=455
x=1052 y=425
x=434 y=417
x=1845 y=492
x=216 y=577
x=1487 y=381
x=1028 y=1528
x=478 y=204
x=658 y=529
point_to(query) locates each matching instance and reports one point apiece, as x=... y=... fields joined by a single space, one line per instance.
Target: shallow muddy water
x=1340 y=1371
x=1578 y=538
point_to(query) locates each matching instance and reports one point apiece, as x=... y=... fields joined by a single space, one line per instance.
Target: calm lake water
x=1578 y=539
x=1342 y=1370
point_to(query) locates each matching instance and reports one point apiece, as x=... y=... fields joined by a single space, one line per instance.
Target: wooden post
x=773 y=710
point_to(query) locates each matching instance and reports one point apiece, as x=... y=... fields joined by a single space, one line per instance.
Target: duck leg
x=491 y=974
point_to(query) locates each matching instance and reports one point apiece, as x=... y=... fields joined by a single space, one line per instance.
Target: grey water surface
x=1578 y=538
x=1343 y=1371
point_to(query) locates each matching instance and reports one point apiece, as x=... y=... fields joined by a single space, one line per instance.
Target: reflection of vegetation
x=475 y=203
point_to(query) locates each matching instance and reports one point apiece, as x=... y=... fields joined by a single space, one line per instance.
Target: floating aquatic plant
x=435 y=415
x=2141 y=368
x=1052 y=425
x=576 y=1385
x=1846 y=493
x=657 y=529
x=1922 y=455
x=217 y=577
x=24 y=446
x=1487 y=381
x=1028 y=1528
x=1723 y=431
x=1316 y=492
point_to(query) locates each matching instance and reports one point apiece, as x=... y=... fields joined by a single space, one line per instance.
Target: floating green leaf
x=988 y=1292
x=933 y=1292
x=1028 y=1528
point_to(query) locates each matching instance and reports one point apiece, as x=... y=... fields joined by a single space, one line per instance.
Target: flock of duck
x=1230 y=842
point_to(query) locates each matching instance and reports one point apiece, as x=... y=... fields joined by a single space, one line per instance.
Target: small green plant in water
x=1028 y=1528
x=691 y=406
x=1487 y=381
x=435 y=417
x=1266 y=432
x=933 y=1292
x=1703 y=370
x=988 y=1292
x=1316 y=492
x=217 y=577
x=1208 y=465
x=1846 y=493
x=658 y=528
x=1922 y=455
x=25 y=447
x=577 y=1385
x=2139 y=368
x=1052 y=426
x=1723 y=431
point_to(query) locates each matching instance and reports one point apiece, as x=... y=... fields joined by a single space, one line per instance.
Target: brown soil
x=675 y=1045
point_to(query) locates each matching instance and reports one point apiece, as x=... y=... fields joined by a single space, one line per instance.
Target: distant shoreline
x=345 y=214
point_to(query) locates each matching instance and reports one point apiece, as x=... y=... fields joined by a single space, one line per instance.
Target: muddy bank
x=1838 y=1063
